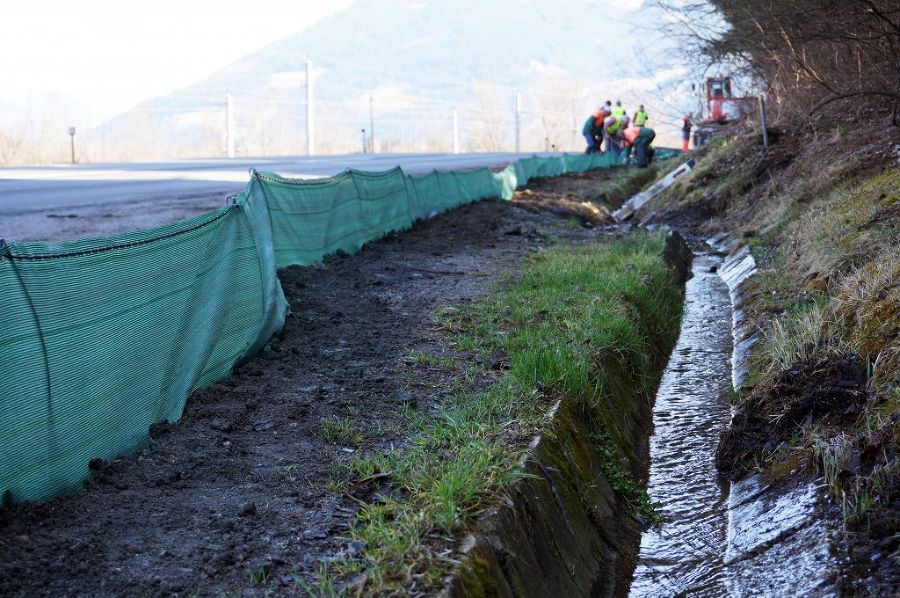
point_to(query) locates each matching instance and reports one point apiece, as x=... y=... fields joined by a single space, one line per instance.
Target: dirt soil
x=828 y=392
x=234 y=496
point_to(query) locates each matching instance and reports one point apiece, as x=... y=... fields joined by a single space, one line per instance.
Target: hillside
x=419 y=61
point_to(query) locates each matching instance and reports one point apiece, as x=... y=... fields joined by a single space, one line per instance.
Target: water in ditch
x=685 y=556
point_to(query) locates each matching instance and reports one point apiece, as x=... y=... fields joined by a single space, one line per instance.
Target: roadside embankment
x=592 y=328
x=820 y=402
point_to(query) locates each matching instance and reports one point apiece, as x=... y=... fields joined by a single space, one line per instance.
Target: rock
x=355 y=548
x=263 y=425
x=220 y=425
x=499 y=364
x=405 y=398
x=313 y=534
x=80 y=545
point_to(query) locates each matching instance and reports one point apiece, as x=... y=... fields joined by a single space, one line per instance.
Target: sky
x=113 y=54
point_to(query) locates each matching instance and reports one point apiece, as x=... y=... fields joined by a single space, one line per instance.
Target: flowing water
x=686 y=555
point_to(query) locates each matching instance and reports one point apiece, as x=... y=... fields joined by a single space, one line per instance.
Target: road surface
x=58 y=203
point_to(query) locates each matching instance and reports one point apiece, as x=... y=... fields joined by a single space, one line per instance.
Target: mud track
x=233 y=497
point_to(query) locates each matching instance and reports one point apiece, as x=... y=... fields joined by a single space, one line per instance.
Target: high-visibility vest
x=613 y=127
x=618 y=111
x=640 y=117
x=631 y=133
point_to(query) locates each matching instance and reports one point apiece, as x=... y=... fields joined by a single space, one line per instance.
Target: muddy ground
x=234 y=497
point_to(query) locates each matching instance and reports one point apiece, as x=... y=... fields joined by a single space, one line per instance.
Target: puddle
x=686 y=555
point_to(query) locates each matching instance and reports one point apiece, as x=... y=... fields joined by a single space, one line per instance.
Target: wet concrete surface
x=749 y=539
x=778 y=538
x=686 y=554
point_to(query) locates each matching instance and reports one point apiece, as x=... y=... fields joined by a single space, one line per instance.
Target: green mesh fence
x=100 y=338
x=312 y=218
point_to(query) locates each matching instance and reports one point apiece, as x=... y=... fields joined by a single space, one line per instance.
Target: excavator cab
x=723 y=108
x=718 y=92
x=718 y=87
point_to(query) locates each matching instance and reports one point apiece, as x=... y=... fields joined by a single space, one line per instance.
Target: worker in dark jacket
x=591 y=132
x=640 y=139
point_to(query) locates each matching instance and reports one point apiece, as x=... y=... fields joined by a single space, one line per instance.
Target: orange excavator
x=723 y=108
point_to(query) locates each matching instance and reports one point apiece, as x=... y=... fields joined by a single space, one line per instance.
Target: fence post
x=455 y=132
x=371 y=126
x=229 y=125
x=518 y=118
x=763 y=122
x=310 y=131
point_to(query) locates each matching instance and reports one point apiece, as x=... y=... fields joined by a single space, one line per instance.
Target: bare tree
x=809 y=53
x=489 y=115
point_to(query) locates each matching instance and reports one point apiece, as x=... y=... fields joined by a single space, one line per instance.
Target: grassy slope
x=572 y=308
x=823 y=218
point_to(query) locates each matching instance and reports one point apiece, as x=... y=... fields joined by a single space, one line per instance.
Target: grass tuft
x=341 y=430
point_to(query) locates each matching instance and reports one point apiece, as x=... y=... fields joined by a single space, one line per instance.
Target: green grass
x=572 y=310
x=322 y=587
x=341 y=430
x=424 y=359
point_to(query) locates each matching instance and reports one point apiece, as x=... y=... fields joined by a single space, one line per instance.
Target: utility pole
x=310 y=130
x=371 y=126
x=72 y=142
x=229 y=125
x=455 y=132
x=762 y=121
x=518 y=118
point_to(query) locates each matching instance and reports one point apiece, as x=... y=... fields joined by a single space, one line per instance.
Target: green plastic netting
x=100 y=338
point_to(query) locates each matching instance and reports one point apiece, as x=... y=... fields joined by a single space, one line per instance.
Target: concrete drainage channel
x=751 y=538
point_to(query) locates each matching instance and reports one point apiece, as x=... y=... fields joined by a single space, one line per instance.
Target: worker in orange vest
x=640 y=139
x=686 y=133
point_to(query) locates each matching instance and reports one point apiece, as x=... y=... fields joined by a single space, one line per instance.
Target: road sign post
x=72 y=142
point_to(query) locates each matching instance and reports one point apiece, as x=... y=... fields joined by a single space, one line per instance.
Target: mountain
x=419 y=60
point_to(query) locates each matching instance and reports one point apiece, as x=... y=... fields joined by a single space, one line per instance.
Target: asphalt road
x=58 y=203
